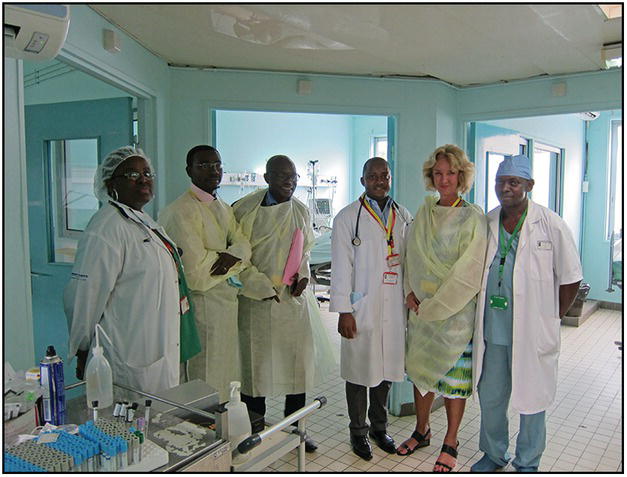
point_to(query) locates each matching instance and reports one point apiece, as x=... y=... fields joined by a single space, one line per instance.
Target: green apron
x=189 y=340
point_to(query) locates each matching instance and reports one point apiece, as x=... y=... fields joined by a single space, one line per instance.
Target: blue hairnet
x=109 y=164
x=519 y=166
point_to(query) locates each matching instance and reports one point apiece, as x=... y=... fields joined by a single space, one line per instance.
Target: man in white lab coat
x=530 y=280
x=367 y=290
x=214 y=252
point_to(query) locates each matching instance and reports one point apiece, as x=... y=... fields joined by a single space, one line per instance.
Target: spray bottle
x=239 y=422
x=51 y=378
x=98 y=375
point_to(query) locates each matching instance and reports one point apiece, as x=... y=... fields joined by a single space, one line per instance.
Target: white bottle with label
x=99 y=376
x=239 y=422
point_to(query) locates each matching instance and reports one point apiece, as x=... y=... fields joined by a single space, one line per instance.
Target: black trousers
x=357 y=401
x=293 y=402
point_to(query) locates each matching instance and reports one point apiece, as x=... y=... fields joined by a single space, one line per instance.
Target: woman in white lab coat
x=126 y=278
x=443 y=263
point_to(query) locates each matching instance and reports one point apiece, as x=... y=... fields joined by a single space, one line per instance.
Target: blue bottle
x=51 y=378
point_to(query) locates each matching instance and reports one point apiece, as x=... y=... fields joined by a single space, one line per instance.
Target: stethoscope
x=356 y=240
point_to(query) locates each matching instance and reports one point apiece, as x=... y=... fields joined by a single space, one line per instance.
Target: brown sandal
x=423 y=441
x=450 y=451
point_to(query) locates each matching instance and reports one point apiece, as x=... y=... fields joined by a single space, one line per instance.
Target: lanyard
x=506 y=247
x=387 y=229
x=456 y=202
x=172 y=251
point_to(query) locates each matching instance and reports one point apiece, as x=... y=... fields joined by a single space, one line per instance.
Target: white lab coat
x=546 y=258
x=125 y=279
x=377 y=353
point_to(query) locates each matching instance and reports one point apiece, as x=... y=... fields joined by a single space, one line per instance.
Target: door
x=488 y=146
x=64 y=144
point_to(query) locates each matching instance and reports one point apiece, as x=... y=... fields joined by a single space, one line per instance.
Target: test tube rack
x=103 y=446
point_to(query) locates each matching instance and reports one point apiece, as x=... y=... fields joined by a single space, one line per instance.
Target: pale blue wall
x=134 y=69
x=488 y=138
x=364 y=129
x=73 y=85
x=584 y=92
x=596 y=247
x=564 y=131
x=422 y=120
x=246 y=140
x=133 y=65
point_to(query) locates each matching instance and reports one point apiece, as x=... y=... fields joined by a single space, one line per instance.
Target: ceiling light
x=612 y=10
x=612 y=55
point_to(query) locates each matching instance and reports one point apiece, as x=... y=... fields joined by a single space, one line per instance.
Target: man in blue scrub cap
x=530 y=280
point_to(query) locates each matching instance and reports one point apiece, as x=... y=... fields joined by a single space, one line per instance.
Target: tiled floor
x=584 y=425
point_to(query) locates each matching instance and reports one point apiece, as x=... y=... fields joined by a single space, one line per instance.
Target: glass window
x=493 y=161
x=135 y=131
x=73 y=163
x=380 y=147
x=615 y=171
x=545 y=166
x=542 y=174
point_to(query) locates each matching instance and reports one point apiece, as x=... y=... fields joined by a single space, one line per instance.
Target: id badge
x=545 y=245
x=394 y=260
x=498 y=302
x=184 y=305
x=390 y=278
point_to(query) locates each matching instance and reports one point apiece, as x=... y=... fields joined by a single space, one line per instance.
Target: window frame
x=613 y=158
x=556 y=185
x=56 y=165
x=373 y=145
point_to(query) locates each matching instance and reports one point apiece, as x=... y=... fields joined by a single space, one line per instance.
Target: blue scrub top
x=383 y=214
x=497 y=324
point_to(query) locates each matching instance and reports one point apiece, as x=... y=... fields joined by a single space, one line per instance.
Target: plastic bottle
x=239 y=422
x=99 y=376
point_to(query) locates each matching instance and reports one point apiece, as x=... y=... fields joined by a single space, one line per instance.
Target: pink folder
x=294 y=257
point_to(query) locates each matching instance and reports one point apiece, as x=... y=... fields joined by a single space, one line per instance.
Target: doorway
x=71 y=121
x=328 y=150
x=575 y=159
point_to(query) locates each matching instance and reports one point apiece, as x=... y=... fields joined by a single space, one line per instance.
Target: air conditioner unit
x=35 y=31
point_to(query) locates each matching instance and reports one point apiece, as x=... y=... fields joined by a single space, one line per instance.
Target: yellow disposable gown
x=284 y=346
x=443 y=267
x=201 y=230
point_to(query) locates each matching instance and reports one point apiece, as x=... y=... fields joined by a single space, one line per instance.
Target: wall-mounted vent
x=589 y=116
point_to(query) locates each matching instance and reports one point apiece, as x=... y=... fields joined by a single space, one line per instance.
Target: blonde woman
x=443 y=263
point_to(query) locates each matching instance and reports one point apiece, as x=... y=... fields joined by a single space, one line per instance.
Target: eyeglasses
x=208 y=165
x=134 y=175
x=375 y=177
x=282 y=176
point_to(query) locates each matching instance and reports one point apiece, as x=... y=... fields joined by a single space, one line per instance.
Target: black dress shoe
x=310 y=445
x=361 y=447
x=384 y=441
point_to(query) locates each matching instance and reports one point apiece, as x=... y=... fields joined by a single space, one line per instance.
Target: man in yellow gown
x=214 y=253
x=284 y=348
